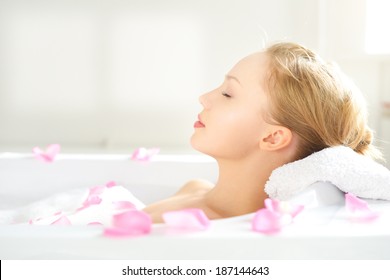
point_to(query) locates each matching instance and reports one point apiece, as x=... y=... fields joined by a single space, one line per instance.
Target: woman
x=274 y=107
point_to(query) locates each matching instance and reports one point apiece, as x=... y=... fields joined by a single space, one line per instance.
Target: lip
x=198 y=123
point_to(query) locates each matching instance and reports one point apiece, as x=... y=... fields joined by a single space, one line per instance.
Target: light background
x=109 y=76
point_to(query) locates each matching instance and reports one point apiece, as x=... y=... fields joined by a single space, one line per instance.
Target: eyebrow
x=230 y=77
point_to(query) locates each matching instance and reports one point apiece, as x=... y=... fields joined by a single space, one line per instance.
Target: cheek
x=231 y=136
x=242 y=127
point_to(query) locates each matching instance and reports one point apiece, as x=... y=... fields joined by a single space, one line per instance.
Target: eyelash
x=226 y=95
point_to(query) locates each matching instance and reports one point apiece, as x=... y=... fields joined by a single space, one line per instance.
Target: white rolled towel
x=349 y=171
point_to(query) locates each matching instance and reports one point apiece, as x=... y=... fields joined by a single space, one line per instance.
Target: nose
x=204 y=100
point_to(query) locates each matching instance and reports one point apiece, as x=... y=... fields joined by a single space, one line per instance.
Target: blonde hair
x=316 y=101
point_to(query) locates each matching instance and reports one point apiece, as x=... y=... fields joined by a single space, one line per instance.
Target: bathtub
x=319 y=233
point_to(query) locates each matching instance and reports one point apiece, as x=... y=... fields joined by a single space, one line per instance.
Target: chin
x=204 y=146
x=196 y=144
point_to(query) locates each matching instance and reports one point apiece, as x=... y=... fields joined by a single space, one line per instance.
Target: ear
x=276 y=137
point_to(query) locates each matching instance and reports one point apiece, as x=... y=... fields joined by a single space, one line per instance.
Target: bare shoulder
x=195 y=186
x=191 y=195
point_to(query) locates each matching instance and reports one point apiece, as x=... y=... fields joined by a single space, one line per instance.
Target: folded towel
x=349 y=171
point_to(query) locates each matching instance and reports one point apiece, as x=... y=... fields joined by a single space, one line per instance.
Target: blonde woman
x=274 y=107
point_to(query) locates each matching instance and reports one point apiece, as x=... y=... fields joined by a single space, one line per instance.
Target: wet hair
x=316 y=101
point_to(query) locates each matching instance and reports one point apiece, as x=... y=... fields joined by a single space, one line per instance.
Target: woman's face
x=231 y=122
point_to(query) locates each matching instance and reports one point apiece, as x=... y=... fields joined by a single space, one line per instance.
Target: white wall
x=114 y=75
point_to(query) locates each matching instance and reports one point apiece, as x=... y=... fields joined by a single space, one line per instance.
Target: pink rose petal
x=97 y=190
x=296 y=209
x=358 y=209
x=91 y=200
x=63 y=221
x=283 y=207
x=365 y=217
x=49 y=154
x=111 y=184
x=93 y=197
x=120 y=232
x=95 y=224
x=192 y=218
x=271 y=204
x=267 y=221
x=352 y=203
x=130 y=223
x=123 y=205
x=275 y=216
x=143 y=154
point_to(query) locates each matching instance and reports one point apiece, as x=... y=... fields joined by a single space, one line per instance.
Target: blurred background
x=109 y=76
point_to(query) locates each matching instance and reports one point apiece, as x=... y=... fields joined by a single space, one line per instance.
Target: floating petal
x=143 y=154
x=96 y=190
x=269 y=222
x=283 y=207
x=123 y=205
x=64 y=221
x=95 y=224
x=49 y=154
x=275 y=216
x=192 y=218
x=130 y=223
x=358 y=209
x=111 y=184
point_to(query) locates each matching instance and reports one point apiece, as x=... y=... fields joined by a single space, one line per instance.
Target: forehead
x=251 y=70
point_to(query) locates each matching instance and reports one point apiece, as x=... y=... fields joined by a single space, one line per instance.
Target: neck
x=240 y=186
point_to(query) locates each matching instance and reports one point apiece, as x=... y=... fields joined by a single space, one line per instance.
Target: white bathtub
x=319 y=233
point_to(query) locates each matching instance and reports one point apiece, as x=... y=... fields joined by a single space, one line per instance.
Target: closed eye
x=226 y=94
